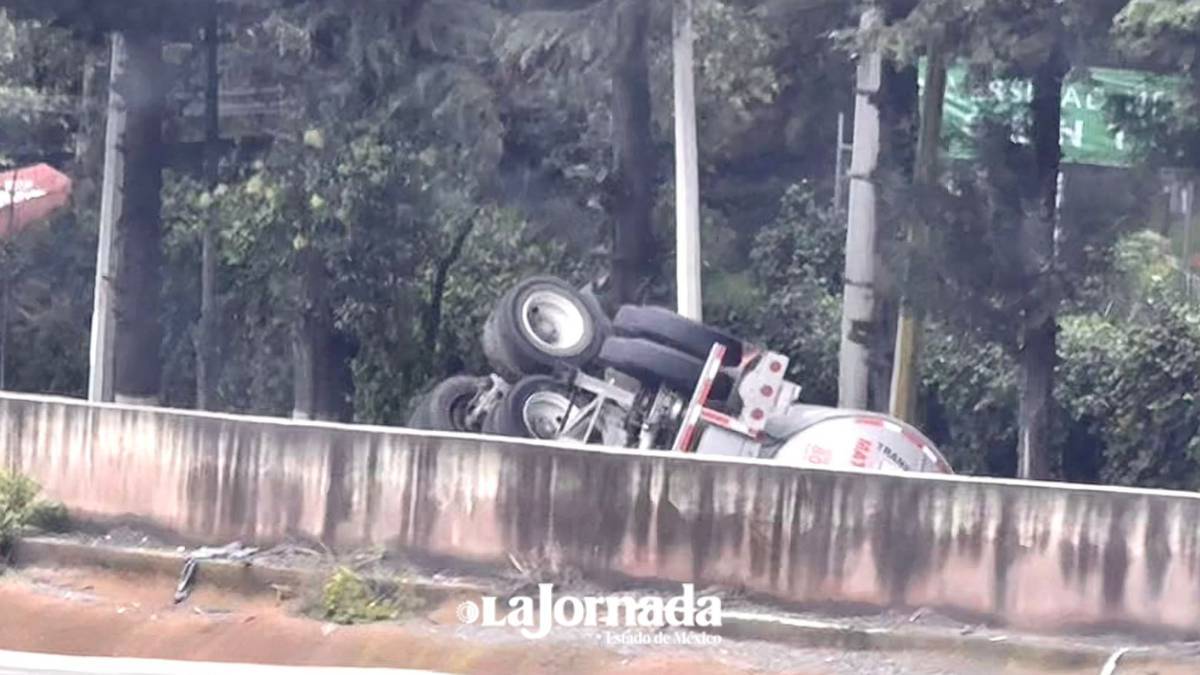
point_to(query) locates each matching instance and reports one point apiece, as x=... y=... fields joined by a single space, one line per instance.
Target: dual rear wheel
x=540 y=325
x=543 y=326
x=536 y=407
x=448 y=406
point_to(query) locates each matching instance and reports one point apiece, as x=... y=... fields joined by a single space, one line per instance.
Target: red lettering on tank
x=862 y=451
x=819 y=455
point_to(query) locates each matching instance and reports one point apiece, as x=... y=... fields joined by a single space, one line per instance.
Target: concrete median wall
x=1046 y=557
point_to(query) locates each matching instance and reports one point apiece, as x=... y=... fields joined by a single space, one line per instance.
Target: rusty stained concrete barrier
x=1045 y=557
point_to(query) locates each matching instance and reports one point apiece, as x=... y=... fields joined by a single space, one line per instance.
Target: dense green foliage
x=20 y=509
x=17 y=494
x=433 y=152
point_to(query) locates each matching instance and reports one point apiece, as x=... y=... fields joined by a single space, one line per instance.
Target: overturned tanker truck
x=649 y=378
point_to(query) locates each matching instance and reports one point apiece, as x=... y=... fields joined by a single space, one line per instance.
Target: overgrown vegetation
x=49 y=516
x=17 y=496
x=20 y=509
x=349 y=598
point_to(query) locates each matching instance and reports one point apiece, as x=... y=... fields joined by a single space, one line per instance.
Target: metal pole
x=687 y=172
x=100 y=385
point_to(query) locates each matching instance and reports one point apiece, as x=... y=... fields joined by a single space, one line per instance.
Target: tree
x=1011 y=39
x=1160 y=35
x=137 y=336
x=1160 y=32
x=1128 y=380
x=207 y=330
x=633 y=245
x=424 y=155
x=137 y=333
x=905 y=378
x=1038 y=328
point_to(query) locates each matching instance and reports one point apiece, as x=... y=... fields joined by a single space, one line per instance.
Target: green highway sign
x=1088 y=135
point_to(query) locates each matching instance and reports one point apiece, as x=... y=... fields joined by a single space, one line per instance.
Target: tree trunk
x=138 y=334
x=858 y=308
x=906 y=371
x=687 y=170
x=898 y=114
x=85 y=135
x=441 y=277
x=1039 y=323
x=882 y=343
x=633 y=243
x=207 y=331
x=321 y=380
x=311 y=337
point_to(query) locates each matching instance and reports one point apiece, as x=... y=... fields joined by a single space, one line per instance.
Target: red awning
x=30 y=195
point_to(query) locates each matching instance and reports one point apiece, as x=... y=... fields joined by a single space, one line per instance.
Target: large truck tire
x=653 y=364
x=419 y=418
x=535 y=407
x=541 y=324
x=690 y=337
x=447 y=406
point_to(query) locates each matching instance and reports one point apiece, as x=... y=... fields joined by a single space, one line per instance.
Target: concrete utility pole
x=858 y=306
x=100 y=381
x=839 y=168
x=906 y=366
x=687 y=172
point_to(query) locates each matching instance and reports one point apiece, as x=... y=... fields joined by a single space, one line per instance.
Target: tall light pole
x=687 y=172
x=100 y=380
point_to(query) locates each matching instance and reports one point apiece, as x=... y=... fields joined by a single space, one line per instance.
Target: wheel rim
x=459 y=410
x=554 y=323
x=544 y=412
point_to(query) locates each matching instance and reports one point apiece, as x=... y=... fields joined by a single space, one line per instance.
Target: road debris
x=234 y=552
x=187 y=580
x=1110 y=666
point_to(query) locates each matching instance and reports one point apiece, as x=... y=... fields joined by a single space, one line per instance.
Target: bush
x=348 y=598
x=798 y=257
x=970 y=400
x=1126 y=398
x=17 y=495
x=1132 y=389
x=49 y=516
